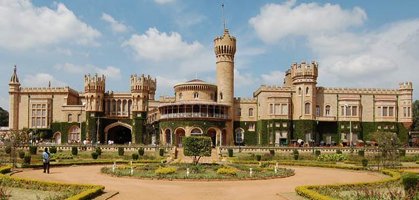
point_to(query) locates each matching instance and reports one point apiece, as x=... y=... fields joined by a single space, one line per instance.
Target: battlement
x=167 y=99
x=48 y=90
x=271 y=88
x=406 y=86
x=304 y=70
x=225 y=45
x=94 y=84
x=142 y=84
x=360 y=91
x=244 y=100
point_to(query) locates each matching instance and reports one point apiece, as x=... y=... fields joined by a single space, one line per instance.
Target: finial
x=49 y=84
x=222 y=13
x=14 y=69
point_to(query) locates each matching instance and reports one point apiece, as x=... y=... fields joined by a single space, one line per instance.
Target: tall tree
x=415 y=106
x=4 y=117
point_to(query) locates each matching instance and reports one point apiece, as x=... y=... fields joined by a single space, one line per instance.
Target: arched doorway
x=74 y=134
x=180 y=133
x=119 y=135
x=57 y=137
x=168 y=136
x=213 y=134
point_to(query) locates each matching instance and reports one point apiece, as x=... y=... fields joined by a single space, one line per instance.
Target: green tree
x=388 y=147
x=196 y=146
x=15 y=139
x=415 y=107
x=4 y=117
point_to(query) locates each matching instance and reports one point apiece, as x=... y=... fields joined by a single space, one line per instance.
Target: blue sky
x=357 y=43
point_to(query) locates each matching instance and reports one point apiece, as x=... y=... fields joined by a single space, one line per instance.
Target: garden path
x=130 y=188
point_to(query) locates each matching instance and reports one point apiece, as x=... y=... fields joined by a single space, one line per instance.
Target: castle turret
x=14 y=93
x=405 y=101
x=143 y=88
x=94 y=89
x=225 y=48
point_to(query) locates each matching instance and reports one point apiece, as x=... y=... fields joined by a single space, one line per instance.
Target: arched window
x=250 y=112
x=307 y=90
x=221 y=95
x=327 y=110
x=307 y=108
x=239 y=135
x=317 y=110
x=299 y=91
x=180 y=95
x=74 y=134
x=196 y=95
x=196 y=131
x=70 y=118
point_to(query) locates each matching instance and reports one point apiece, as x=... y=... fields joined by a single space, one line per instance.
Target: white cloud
x=165 y=84
x=109 y=71
x=42 y=80
x=161 y=2
x=243 y=80
x=156 y=46
x=116 y=26
x=273 y=78
x=277 y=21
x=24 y=26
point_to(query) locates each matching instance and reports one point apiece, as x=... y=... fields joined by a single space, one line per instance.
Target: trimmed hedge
x=33 y=149
x=121 y=151
x=5 y=169
x=311 y=193
x=74 y=151
x=141 y=151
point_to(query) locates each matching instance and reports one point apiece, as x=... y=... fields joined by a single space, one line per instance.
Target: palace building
x=274 y=116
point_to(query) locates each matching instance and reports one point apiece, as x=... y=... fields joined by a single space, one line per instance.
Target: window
x=239 y=135
x=299 y=91
x=307 y=90
x=196 y=131
x=404 y=111
x=307 y=109
x=385 y=111
x=70 y=118
x=354 y=110
x=196 y=95
x=408 y=111
x=221 y=95
x=277 y=124
x=327 y=110
x=39 y=115
x=239 y=112
x=391 y=111
x=252 y=127
x=317 y=110
x=277 y=109
x=284 y=124
x=342 y=108
x=250 y=112
x=271 y=109
x=74 y=134
x=348 y=111
x=284 y=109
x=180 y=95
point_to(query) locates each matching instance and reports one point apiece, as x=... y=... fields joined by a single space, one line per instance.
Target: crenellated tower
x=405 y=103
x=304 y=80
x=143 y=88
x=14 y=95
x=94 y=89
x=225 y=49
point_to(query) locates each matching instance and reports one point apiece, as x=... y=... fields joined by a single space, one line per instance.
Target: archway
x=168 y=136
x=57 y=137
x=74 y=134
x=213 y=134
x=180 y=133
x=119 y=135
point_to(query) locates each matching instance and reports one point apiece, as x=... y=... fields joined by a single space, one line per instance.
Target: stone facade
x=275 y=115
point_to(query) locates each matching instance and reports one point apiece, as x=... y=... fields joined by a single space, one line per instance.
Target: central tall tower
x=225 y=48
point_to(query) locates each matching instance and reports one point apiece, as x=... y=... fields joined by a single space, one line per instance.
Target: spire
x=222 y=15
x=14 y=78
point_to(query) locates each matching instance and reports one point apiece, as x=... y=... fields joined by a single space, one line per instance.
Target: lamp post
x=350 y=125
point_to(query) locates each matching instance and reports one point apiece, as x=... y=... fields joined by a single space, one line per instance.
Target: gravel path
x=130 y=188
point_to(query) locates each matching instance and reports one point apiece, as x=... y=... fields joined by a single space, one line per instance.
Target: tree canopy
x=415 y=106
x=4 y=117
x=196 y=146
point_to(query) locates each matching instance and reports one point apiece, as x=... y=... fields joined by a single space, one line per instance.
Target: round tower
x=225 y=48
x=14 y=93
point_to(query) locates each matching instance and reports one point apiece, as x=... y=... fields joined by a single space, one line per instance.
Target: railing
x=91 y=147
x=308 y=149
x=194 y=115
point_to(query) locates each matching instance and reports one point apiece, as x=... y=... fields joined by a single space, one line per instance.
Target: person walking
x=45 y=159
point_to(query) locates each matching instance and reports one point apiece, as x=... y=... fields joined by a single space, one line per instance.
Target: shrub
x=21 y=154
x=141 y=151
x=331 y=157
x=317 y=152
x=8 y=149
x=27 y=159
x=98 y=150
x=120 y=151
x=95 y=155
x=258 y=157
x=272 y=152
x=227 y=171
x=135 y=156
x=402 y=152
x=161 y=152
x=33 y=150
x=296 y=154
x=338 y=151
x=53 y=149
x=364 y=162
x=164 y=170
x=230 y=152
x=361 y=153
x=74 y=151
x=410 y=181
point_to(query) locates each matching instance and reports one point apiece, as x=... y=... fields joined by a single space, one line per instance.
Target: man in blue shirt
x=45 y=160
